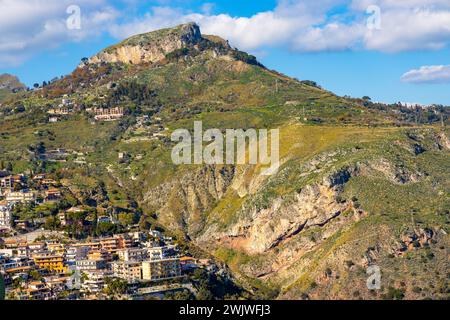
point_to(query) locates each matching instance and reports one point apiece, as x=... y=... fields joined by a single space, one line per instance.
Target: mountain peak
x=188 y=32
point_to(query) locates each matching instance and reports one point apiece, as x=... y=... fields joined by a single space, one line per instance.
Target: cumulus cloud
x=424 y=25
x=30 y=26
x=311 y=26
x=285 y=25
x=428 y=74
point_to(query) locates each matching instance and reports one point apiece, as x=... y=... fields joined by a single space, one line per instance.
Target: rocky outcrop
x=151 y=47
x=395 y=173
x=443 y=142
x=11 y=83
x=182 y=202
x=263 y=229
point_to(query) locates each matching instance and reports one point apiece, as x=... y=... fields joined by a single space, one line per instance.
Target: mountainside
x=360 y=183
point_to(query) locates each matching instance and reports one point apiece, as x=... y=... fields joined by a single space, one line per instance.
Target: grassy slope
x=392 y=209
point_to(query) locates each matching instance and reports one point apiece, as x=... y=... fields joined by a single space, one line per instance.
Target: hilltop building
x=108 y=114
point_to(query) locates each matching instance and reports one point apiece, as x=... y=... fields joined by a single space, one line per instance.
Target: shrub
x=394 y=294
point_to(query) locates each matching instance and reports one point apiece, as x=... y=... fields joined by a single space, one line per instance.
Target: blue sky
x=389 y=50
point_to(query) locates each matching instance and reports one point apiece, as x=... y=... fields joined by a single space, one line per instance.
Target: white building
x=156 y=253
x=74 y=254
x=95 y=280
x=5 y=215
x=133 y=254
x=127 y=270
x=20 y=196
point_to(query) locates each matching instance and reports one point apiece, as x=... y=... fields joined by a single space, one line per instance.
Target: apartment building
x=90 y=264
x=13 y=265
x=50 y=261
x=95 y=280
x=74 y=253
x=9 y=181
x=133 y=254
x=127 y=270
x=116 y=243
x=37 y=291
x=101 y=254
x=156 y=253
x=20 y=196
x=154 y=270
x=108 y=114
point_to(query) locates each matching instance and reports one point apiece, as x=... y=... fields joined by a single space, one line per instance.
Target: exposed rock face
x=443 y=141
x=183 y=202
x=11 y=83
x=314 y=205
x=395 y=174
x=151 y=47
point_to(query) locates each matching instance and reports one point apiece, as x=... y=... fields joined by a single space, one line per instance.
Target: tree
x=36 y=85
x=2 y=288
x=178 y=295
x=105 y=228
x=52 y=223
x=9 y=166
x=115 y=286
x=35 y=275
x=144 y=225
x=127 y=219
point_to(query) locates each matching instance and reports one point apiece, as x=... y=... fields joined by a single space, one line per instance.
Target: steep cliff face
x=258 y=230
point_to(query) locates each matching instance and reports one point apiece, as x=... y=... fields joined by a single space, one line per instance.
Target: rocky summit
x=360 y=183
x=150 y=47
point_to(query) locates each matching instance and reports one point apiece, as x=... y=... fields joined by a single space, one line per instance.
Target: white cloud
x=428 y=74
x=332 y=37
x=278 y=27
x=307 y=26
x=30 y=26
x=411 y=29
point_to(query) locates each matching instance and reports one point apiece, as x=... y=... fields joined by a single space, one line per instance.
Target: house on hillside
x=108 y=114
x=5 y=214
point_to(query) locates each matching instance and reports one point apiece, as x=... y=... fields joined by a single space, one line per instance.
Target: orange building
x=52 y=262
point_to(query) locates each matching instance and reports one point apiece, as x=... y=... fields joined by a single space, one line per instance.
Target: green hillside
x=360 y=183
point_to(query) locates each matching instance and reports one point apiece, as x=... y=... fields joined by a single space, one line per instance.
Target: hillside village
x=74 y=252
